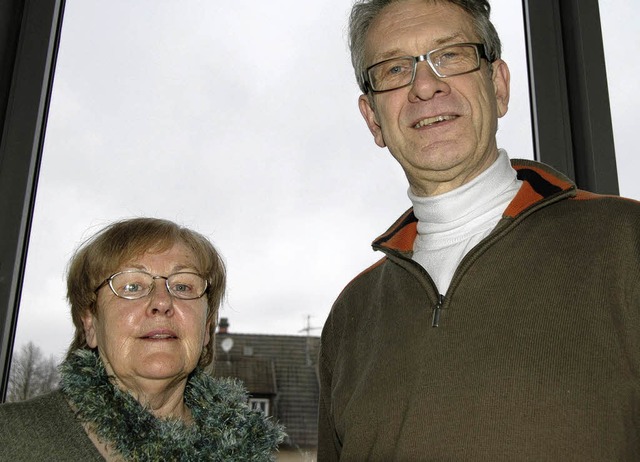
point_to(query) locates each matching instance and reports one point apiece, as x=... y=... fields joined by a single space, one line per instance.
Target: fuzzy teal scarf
x=224 y=428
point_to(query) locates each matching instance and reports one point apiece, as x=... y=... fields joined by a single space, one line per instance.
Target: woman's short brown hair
x=103 y=254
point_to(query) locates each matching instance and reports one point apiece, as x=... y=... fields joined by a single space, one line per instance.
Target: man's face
x=441 y=130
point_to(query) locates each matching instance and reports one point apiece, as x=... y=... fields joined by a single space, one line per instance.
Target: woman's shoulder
x=42 y=428
x=34 y=409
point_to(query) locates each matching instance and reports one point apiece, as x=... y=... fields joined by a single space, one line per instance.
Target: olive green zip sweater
x=536 y=353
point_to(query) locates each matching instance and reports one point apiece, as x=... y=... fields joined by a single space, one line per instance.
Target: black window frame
x=29 y=39
x=570 y=109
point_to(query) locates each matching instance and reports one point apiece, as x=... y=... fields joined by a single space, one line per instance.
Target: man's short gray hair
x=364 y=12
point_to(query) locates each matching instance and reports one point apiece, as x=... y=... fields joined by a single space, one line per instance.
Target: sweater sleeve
x=328 y=444
x=328 y=441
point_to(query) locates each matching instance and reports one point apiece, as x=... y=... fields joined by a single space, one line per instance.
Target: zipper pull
x=435 y=321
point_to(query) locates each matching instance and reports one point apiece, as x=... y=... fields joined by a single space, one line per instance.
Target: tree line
x=31 y=374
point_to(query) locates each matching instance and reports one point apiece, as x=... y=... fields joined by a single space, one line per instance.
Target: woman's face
x=154 y=340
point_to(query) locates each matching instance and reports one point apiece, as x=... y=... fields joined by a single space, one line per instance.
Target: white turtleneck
x=451 y=224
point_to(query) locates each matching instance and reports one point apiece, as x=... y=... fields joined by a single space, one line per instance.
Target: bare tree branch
x=31 y=375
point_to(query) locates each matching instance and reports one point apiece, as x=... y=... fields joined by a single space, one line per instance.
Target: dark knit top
x=43 y=429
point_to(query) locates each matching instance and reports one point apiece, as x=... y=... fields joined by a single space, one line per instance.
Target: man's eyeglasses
x=458 y=59
x=135 y=284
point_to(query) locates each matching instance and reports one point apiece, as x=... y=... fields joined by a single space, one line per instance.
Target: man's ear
x=89 y=324
x=370 y=117
x=501 y=84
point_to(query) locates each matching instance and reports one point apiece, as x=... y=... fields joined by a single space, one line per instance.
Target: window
x=158 y=102
x=622 y=48
x=514 y=129
x=261 y=404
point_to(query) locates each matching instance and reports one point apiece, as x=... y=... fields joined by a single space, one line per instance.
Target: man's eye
x=397 y=69
x=450 y=55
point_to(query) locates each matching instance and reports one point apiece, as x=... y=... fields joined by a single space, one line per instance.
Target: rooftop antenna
x=308 y=330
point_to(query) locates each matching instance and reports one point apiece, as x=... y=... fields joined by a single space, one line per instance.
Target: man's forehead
x=416 y=26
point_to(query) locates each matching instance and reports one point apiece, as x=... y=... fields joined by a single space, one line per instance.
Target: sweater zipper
x=435 y=321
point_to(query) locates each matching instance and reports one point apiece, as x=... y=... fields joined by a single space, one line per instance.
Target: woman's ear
x=89 y=323
x=207 y=332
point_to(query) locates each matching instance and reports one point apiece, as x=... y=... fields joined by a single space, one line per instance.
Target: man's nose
x=426 y=84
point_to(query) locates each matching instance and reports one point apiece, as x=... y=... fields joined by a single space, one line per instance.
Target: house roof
x=282 y=367
x=258 y=375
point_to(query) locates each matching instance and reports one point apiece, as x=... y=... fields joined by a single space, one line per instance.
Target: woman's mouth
x=160 y=335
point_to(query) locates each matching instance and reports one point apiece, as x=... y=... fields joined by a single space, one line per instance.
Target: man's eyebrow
x=395 y=53
x=440 y=42
x=450 y=39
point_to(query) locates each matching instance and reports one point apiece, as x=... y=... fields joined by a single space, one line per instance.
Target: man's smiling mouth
x=434 y=120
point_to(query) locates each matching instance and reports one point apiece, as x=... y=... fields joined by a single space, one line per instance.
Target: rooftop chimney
x=223 y=325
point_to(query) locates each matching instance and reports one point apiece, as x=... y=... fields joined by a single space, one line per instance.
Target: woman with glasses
x=144 y=296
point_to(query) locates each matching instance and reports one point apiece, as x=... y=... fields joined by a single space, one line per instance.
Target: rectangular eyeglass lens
x=391 y=74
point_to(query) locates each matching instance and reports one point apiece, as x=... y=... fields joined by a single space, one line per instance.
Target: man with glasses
x=502 y=322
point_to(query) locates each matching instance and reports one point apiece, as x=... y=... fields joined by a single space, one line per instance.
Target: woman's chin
x=164 y=370
x=162 y=366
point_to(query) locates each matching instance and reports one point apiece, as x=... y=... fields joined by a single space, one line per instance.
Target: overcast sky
x=239 y=119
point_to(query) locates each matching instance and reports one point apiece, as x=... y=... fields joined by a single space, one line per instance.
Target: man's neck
x=437 y=183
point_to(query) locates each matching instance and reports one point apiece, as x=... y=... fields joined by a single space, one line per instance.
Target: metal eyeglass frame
x=109 y=281
x=480 y=50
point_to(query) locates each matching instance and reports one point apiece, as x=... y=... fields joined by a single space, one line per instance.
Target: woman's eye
x=181 y=288
x=132 y=288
